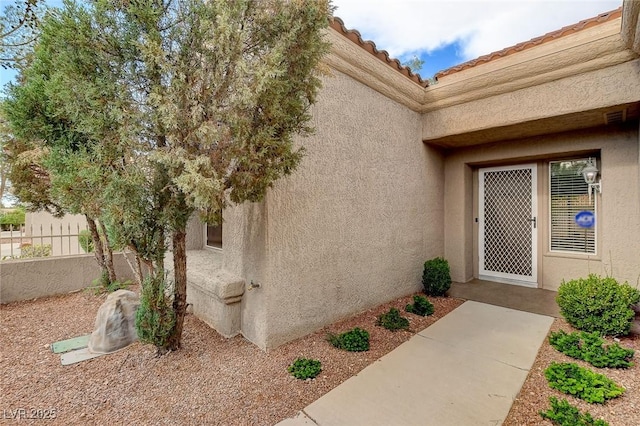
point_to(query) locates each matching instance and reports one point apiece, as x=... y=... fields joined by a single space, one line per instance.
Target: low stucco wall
x=33 y=278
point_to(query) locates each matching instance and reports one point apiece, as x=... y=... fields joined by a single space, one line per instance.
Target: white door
x=508 y=224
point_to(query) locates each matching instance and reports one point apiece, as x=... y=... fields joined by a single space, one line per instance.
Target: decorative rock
x=115 y=323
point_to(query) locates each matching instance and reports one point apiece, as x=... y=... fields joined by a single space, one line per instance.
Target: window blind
x=568 y=196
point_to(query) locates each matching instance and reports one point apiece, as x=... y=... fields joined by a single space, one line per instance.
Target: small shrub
x=421 y=306
x=581 y=382
x=356 y=340
x=304 y=368
x=436 y=277
x=392 y=320
x=155 y=317
x=85 y=241
x=564 y=414
x=598 y=304
x=590 y=347
x=100 y=286
x=31 y=251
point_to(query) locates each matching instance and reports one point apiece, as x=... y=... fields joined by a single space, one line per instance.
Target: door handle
x=535 y=222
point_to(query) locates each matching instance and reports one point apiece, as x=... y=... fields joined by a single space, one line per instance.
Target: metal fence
x=40 y=241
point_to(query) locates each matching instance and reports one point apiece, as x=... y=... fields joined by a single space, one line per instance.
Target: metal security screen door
x=507 y=228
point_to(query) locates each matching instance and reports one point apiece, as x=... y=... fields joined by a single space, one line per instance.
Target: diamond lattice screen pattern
x=568 y=196
x=507 y=214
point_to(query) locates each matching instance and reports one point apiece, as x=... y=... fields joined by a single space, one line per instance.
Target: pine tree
x=172 y=107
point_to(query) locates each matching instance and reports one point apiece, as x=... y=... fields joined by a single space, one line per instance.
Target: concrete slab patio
x=466 y=369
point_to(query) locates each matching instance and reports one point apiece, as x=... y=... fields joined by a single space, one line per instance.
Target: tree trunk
x=180 y=286
x=97 y=245
x=3 y=182
x=108 y=254
x=137 y=268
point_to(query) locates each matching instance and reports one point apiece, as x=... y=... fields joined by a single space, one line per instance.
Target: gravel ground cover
x=211 y=380
x=535 y=393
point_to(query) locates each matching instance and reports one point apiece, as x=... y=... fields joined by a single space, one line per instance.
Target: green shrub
x=155 y=317
x=85 y=241
x=37 y=250
x=421 y=306
x=590 y=347
x=598 y=304
x=436 y=277
x=581 y=382
x=392 y=320
x=356 y=340
x=102 y=285
x=12 y=219
x=304 y=368
x=564 y=414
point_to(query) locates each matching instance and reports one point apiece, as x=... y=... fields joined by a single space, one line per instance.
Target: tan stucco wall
x=32 y=278
x=37 y=220
x=349 y=229
x=39 y=224
x=618 y=222
x=616 y=85
x=352 y=226
x=195 y=233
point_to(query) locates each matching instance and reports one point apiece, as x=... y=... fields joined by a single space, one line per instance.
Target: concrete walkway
x=466 y=369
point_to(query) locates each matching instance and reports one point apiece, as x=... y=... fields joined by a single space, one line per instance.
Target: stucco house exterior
x=482 y=168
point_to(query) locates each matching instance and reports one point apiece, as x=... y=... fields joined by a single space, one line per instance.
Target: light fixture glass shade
x=590 y=173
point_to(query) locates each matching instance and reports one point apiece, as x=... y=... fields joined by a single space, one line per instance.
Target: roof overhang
x=600 y=51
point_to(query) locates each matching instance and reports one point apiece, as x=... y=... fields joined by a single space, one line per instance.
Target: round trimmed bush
x=305 y=368
x=598 y=304
x=355 y=340
x=421 y=306
x=436 y=277
x=392 y=320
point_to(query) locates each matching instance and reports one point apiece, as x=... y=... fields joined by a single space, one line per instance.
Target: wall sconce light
x=590 y=174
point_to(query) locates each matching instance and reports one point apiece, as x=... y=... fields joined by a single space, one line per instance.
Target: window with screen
x=569 y=195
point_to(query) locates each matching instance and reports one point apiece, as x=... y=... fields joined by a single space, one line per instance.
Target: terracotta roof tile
x=570 y=29
x=354 y=35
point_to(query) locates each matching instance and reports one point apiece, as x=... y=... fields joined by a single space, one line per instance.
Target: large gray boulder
x=115 y=323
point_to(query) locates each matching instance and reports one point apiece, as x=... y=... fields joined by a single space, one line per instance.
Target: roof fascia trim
x=631 y=25
x=590 y=49
x=351 y=59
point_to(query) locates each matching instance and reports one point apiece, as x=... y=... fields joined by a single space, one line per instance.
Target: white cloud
x=480 y=27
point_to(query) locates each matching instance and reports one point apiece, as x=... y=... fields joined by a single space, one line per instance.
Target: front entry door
x=508 y=224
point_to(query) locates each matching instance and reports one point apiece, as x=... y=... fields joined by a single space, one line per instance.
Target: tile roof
x=570 y=29
x=368 y=45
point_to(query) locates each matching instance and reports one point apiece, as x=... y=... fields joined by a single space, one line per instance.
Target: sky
x=444 y=33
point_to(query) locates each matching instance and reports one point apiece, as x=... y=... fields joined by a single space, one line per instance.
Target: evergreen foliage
x=590 y=347
x=355 y=340
x=598 y=304
x=139 y=114
x=582 y=383
x=392 y=320
x=562 y=413
x=12 y=219
x=421 y=306
x=305 y=368
x=436 y=277
x=154 y=318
